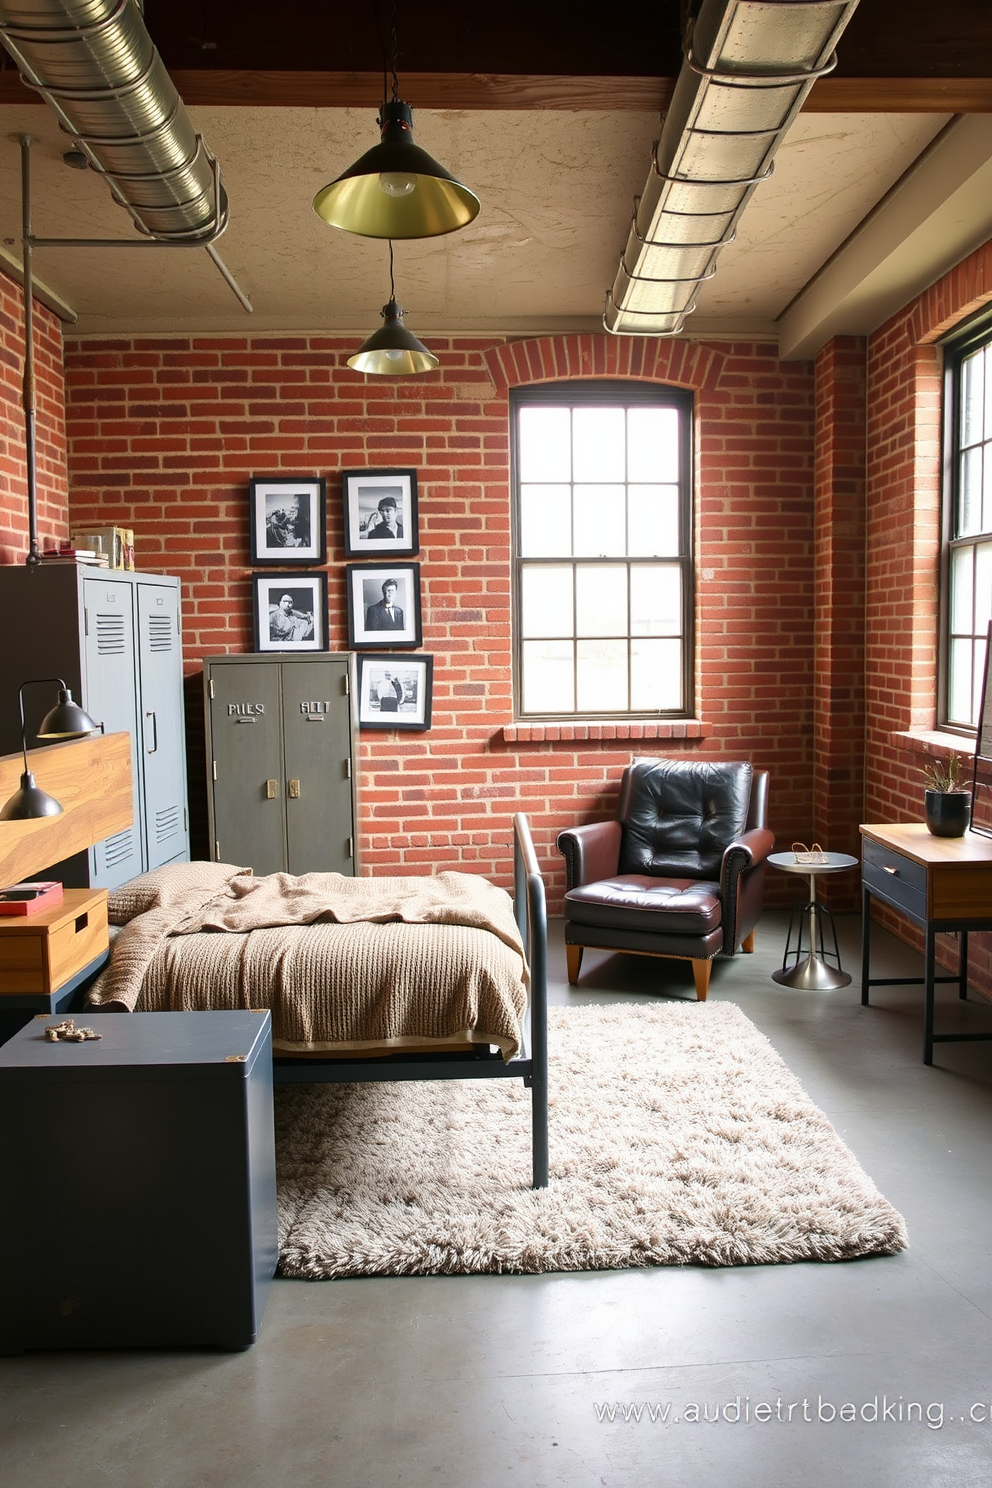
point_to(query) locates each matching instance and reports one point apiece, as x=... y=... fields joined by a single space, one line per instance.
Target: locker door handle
x=153 y=747
x=271 y=789
x=294 y=790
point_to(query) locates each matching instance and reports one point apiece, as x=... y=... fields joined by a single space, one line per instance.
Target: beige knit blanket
x=349 y=964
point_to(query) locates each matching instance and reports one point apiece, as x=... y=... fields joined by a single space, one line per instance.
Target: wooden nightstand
x=940 y=883
x=46 y=956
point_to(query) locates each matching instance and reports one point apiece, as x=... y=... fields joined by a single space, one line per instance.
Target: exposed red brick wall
x=50 y=454
x=838 y=647
x=165 y=433
x=903 y=534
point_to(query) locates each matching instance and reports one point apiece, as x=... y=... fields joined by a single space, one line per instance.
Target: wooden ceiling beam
x=494 y=91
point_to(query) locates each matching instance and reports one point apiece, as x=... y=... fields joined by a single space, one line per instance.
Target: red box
x=47 y=895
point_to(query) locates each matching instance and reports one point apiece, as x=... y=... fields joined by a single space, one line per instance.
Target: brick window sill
x=581 y=732
x=932 y=741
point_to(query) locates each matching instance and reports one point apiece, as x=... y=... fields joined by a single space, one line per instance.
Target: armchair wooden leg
x=573 y=960
x=747 y=944
x=701 y=976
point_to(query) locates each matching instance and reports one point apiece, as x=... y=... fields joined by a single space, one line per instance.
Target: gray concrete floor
x=479 y=1381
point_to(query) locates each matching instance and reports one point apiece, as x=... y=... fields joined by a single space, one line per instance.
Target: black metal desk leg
x=865 y=945
x=928 y=981
x=963 y=964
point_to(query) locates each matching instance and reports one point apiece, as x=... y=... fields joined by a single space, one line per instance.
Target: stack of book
x=67 y=552
x=116 y=543
x=29 y=898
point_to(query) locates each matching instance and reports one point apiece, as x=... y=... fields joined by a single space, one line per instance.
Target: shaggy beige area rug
x=677 y=1136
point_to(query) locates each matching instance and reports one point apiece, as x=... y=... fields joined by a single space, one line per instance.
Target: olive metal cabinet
x=281 y=762
x=114 y=638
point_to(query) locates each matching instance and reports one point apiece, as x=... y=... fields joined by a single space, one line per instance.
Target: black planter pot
x=947 y=812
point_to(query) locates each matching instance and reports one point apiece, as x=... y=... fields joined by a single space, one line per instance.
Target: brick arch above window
x=687 y=364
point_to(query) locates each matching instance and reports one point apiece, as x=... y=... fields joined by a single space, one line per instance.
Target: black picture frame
x=308 y=595
x=370 y=627
x=288 y=519
x=395 y=692
x=369 y=495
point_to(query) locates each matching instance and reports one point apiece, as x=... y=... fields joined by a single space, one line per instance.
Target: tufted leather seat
x=680 y=872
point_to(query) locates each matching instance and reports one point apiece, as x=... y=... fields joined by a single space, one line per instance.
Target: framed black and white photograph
x=290 y=611
x=287 y=520
x=383 y=605
x=394 y=692
x=380 y=512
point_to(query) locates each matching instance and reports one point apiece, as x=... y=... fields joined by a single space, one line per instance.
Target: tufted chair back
x=678 y=816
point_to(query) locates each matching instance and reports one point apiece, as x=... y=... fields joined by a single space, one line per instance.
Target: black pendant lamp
x=67 y=720
x=392 y=350
x=396 y=190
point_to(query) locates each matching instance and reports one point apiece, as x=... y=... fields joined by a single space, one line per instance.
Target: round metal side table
x=813 y=963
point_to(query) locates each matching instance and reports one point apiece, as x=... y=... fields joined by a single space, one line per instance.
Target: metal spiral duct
x=96 y=66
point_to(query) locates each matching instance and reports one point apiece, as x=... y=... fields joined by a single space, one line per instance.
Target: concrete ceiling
x=865 y=203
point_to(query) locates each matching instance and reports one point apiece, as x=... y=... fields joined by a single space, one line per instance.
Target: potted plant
x=947 y=798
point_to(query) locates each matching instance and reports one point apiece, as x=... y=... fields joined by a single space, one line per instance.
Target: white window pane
x=546 y=601
x=962 y=592
x=987 y=379
x=972 y=397
x=970 y=498
x=545 y=521
x=548 y=677
x=655 y=676
x=655 y=600
x=601 y=600
x=599 y=444
x=652 y=444
x=544 y=444
x=653 y=521
x=601 y=677
x=983 y=588
x=600 y=528
x=959 y=683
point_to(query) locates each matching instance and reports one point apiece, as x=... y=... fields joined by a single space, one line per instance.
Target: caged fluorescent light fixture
x=392 y=350
x=748 y=67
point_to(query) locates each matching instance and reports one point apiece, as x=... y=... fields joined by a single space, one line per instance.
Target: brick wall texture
x=816 y=552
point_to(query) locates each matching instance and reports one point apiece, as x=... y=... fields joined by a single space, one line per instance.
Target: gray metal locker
x=281 y=762
x=114 y=637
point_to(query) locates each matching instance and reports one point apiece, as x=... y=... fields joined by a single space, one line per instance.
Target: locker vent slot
x=111 y=635
x=119 y=848
x=168 y=823
x=160 y=632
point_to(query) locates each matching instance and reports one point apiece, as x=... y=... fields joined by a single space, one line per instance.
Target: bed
x=391 y=978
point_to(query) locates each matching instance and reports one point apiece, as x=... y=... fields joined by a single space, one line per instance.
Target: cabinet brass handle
x=271 y=789
x=893 y=871
x=294 y=790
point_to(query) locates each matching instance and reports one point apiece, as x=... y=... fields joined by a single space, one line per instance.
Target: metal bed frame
x=480 y=1062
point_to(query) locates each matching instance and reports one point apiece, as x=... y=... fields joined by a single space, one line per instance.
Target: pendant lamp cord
x=392 y=286
x=389 y=59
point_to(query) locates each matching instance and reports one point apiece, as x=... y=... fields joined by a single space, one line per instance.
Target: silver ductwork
x=96 y=66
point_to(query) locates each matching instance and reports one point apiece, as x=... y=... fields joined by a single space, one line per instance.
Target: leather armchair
x=681 y=870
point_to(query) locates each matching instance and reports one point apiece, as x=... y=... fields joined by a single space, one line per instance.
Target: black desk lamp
x=67 y=720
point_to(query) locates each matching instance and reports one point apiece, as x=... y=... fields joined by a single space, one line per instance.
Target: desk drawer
x=896 y=878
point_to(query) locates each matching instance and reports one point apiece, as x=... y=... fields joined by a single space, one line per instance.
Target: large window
x=968 y=524
x=603 y=530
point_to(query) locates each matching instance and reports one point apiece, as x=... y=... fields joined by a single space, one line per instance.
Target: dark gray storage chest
x=138 y=1182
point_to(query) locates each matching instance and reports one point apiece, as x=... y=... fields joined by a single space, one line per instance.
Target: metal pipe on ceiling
x=96 y=66
x=749 y=65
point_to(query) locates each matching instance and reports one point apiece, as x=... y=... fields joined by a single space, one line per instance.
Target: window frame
x=626 y=394
x=955 y=351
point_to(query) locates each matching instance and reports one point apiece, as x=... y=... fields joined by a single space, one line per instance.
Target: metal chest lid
x=141 y=1046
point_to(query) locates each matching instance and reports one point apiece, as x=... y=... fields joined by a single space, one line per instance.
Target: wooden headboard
x=91 y=778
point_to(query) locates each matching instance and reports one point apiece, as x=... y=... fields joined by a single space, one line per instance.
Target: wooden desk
x=940 y=883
